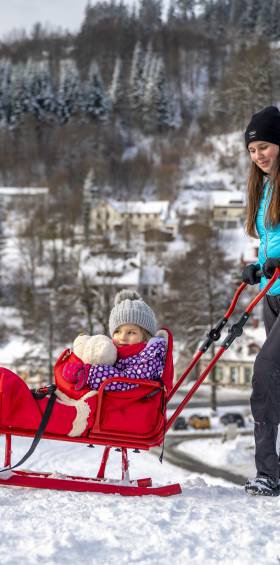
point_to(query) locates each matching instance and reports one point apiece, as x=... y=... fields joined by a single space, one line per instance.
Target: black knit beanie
x=264 y=126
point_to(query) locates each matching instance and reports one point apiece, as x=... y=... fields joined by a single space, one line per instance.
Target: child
x=132 y=326
x=262 y=139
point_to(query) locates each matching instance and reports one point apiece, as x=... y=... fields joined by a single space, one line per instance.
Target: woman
x=262 y=139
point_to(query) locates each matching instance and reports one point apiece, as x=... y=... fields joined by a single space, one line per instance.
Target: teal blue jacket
x=269 y=238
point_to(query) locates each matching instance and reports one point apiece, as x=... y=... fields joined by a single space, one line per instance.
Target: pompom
x=126 y=294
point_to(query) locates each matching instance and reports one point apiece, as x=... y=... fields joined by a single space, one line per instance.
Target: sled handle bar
x=214 y=334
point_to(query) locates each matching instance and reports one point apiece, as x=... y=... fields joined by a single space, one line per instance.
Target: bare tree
x=201 y=285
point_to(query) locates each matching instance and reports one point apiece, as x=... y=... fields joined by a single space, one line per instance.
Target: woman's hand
x=269 y=267
x=249 y=274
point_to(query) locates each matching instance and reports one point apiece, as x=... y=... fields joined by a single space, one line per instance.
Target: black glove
x=270 y=266
x=249 y=274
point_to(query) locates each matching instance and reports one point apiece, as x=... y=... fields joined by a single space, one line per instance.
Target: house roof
x=230 y=198
x=159 y=207
x=22 y=191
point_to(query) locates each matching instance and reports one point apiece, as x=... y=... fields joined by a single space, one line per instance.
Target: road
x=185 y=461
x=201 y=399
x=204 y=403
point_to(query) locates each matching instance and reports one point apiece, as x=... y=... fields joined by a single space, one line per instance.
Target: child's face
x=127 y=334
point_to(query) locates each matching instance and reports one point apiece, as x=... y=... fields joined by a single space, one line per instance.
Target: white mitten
x=79 y=345
x=99 y=350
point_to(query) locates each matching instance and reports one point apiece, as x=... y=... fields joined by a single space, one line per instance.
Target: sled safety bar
x=214 y=334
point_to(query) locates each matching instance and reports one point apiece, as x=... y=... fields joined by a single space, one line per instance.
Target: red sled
x=134 y=419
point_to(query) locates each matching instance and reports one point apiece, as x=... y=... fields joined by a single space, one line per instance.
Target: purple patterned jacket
x=148 y=364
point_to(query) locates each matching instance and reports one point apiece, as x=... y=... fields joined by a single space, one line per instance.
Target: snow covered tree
x=161 y=95
x=136 y=80
x=5 y=91
x=40 y=87
x=94 y=100
x=185 y=9
x=116 y=89
x=156 y=107
x=14 y=104
x=150 y=14
x=68 y=97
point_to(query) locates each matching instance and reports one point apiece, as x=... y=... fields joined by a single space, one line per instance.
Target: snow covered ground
x=211 y=522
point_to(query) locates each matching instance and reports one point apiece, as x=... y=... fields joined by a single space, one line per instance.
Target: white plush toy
x=95 y=349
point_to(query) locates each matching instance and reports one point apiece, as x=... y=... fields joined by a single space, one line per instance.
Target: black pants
x=265 y=398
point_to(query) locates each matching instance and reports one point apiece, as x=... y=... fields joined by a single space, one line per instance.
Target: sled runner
x=134 y=419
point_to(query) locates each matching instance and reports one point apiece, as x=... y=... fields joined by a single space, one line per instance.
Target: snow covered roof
x=20 y=191
x=159 y=207
x=228 y=198
x=116 y=271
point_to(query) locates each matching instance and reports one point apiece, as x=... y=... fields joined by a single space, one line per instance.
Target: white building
x=108 y=215
x=228 y=209
x=130 y=272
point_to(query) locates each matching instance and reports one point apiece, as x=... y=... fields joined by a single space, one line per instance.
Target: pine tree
x=116 y=89
x=5 y=91
x=95 y=104
x=150 y=14
x=136 y=81
x=3 y=84
x=40 y=87
x=69 y=91
x=185 y=9
x=156 y=110
x=18 y=97
x=161 y=95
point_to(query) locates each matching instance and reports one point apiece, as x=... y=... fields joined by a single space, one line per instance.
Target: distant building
x=228 y=209
x=23 y=191
x=125 y=272
x=235 y=367
x=107 y=215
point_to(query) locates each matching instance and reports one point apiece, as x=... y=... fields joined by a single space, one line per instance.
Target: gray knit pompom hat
x=130 y=308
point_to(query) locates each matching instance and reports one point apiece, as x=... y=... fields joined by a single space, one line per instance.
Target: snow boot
x=264 y=486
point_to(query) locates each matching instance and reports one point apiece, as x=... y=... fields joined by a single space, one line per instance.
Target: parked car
x=233 y=418
x=199 y=422
x=180 y=423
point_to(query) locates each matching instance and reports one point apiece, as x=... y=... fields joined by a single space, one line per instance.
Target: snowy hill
x=210 y=522
x=211 y=176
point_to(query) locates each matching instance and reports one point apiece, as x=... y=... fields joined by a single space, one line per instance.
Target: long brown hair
x=255 y=189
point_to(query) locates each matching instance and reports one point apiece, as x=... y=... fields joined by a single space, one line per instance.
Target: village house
x=22 y=194
x=228 y=209
x=124 y=272
x=109 y=215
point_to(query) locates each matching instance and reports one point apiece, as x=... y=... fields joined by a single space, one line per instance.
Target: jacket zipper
x=266 y=204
